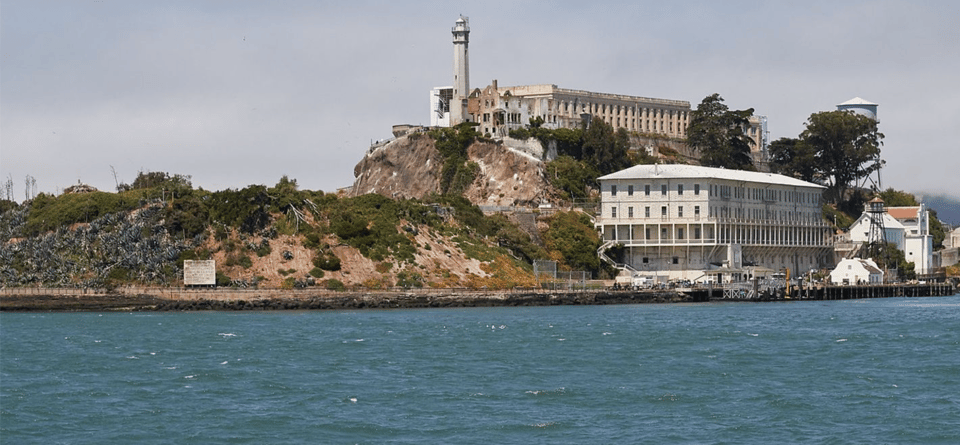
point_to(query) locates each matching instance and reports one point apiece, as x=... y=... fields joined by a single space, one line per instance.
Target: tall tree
x=604 y=147
x=717 y=133
x=897 y=198
x=847 y=147
x=792 y=157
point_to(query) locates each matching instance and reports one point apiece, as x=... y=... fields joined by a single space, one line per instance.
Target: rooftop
x=682 y=171
x=903 y=212
x=857 y=101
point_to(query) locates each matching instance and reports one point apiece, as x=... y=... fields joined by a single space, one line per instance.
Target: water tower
x=868 y=109
x=860 y=106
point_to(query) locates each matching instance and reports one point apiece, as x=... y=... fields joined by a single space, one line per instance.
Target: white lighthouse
x=461 y=71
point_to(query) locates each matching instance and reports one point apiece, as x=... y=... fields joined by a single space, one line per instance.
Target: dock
x=750 y=292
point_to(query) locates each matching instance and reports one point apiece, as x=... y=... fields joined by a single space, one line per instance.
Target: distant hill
x=947 y=207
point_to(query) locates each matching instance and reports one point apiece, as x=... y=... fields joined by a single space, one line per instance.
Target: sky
x=234 y=93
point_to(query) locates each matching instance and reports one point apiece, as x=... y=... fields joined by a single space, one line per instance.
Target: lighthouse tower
x=461 y=71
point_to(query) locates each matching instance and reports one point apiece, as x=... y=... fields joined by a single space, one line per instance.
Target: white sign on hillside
x=199 y=272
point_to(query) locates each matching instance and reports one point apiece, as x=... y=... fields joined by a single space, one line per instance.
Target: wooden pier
x=820 y=292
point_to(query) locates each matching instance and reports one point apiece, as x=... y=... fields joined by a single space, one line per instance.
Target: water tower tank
x=860 y=106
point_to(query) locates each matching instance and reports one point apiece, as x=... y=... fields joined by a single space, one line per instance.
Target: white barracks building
x=684 y=222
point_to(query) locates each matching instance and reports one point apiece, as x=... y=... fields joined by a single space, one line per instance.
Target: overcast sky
x=235 y=93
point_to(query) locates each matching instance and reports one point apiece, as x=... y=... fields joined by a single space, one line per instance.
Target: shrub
x=49 y=213
x=407 y=279
x=223 y=280
x=334 y=284
x=311 y=240
x=264 y=248
x=327 y=261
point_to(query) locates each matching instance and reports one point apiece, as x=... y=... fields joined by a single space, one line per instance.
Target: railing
x=602 y=253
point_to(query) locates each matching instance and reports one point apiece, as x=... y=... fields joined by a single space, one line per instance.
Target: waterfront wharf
x=748 y=292
x=178 y=299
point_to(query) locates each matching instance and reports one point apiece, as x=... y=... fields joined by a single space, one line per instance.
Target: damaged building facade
x=498 y=110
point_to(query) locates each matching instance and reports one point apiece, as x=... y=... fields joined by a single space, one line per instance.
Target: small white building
x=908 y=228
x=852 y=271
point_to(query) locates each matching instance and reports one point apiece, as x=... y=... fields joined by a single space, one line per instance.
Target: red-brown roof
x=903 y=212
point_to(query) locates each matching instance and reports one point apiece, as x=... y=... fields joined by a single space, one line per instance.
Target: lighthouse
x=461 y=71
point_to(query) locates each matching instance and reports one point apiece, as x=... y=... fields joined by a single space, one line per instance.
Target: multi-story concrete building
x=690 y=222
x=498 y=110
x=501 y=109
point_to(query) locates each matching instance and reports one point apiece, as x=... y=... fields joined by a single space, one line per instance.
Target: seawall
x=169 y=299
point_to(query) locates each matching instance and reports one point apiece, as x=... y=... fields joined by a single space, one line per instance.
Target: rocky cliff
x=510 y=173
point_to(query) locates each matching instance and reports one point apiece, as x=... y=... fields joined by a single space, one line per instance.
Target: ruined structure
x=498 y=110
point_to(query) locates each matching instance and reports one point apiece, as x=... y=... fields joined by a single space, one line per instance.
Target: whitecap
x=189 y=376
x=222 y=334
x=608 y=333
x=170 y=367
x=753 y=335
x=842 y=339
x=224 y=363
x=133 y=357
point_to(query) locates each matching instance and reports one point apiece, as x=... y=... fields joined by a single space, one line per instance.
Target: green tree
x=896 y=198
x=937 y=230
x=186 y=217
x=452 y=143
x=571 y=176
x=846 y=147
x=571 y=239
x=604 y=147
x=791 y=157
x=717 y=134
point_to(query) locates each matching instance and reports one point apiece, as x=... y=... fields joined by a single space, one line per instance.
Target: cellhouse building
x=684 y=222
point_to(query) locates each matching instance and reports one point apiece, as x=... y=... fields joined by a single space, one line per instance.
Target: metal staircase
x=602 y=253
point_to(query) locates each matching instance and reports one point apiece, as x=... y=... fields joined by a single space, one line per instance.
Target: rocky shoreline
x=96 y=302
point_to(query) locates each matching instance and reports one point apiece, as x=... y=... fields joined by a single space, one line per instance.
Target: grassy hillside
x=276 y=236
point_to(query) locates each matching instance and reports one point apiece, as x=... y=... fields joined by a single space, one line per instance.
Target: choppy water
x=867 y=371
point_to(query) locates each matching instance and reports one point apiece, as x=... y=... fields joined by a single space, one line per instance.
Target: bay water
x=857 y=371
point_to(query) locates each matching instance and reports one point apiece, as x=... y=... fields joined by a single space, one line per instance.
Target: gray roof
x=682 y=171
x=857 y=101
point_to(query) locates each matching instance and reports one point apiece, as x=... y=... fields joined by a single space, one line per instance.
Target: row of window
x=680 y=233
x=646 y=211
x=763 y=214
x=766 y=195
x=803 y=260
x=646 y=189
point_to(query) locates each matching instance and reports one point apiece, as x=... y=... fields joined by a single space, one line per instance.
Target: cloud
x=243 y=92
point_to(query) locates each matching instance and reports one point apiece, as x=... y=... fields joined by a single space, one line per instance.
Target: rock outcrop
x=409 y=167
